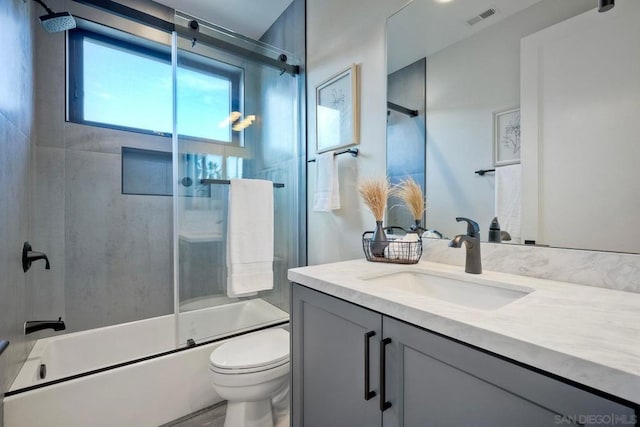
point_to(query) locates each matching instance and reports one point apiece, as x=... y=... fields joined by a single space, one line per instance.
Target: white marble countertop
x=586 y=334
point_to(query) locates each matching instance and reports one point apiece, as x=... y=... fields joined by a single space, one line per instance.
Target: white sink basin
x=475 y=293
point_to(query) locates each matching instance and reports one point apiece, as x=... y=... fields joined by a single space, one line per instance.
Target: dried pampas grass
x=410 y=193
x=375 y=193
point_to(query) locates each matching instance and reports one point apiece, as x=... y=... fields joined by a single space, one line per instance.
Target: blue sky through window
x=125 y=88
x=204 y=101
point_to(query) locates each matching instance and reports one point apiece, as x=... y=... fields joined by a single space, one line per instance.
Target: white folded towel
x=508 y=200
x=393 y=249
x=403 y=248
x=326 y=196
x=249 y=237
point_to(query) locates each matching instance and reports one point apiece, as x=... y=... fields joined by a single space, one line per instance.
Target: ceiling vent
x=481 y=16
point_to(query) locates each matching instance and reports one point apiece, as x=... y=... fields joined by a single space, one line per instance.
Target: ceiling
x=250 y=18
x=428 y=26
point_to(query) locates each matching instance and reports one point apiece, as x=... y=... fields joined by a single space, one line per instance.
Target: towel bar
x=400 y=109
x=226 y=181
x=483 y=171
x=353 y=151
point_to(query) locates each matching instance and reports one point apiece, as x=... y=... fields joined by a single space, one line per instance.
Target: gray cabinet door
x=435 y=381
x=328 y=361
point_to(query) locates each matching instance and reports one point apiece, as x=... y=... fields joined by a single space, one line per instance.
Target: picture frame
x=506 y=137
x=337 y=111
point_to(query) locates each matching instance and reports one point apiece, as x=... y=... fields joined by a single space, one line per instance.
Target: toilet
x=249 y=372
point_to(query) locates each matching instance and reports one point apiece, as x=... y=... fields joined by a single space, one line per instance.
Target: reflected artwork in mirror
x=574 y=182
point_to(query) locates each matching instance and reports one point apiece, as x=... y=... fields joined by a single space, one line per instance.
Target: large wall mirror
x=542 y=95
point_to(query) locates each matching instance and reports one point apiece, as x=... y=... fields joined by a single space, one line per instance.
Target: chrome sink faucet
x=473 y=261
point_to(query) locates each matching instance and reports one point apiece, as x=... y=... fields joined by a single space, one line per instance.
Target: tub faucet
x=31 y=326
x=28 y=256
x=473 y=262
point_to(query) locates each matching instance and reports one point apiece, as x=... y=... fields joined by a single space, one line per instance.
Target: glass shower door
x=235 y=118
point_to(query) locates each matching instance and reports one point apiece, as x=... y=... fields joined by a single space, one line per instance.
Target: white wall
x=340 y=33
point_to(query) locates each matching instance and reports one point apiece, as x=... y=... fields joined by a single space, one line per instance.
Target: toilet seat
x=249 y=379
x=261 y=351
x=240 y=371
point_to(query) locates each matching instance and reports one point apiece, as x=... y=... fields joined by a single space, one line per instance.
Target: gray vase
x=379 y=241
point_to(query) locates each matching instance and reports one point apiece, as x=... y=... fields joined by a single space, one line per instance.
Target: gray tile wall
x=118 y=247
x=288 y=31
x=16 y=137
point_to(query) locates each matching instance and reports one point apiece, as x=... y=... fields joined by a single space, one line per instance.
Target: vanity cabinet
x=327 y=359
x=424 y=378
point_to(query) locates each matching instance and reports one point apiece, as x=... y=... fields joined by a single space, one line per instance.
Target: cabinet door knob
x=384 y=405
x=368 y=394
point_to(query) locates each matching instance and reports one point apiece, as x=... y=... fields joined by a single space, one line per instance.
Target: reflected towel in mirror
x=508 y=199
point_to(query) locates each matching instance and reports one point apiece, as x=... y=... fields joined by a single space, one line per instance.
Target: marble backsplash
x=602 y=269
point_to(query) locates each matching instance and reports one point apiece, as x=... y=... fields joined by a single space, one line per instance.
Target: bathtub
x=129 y=374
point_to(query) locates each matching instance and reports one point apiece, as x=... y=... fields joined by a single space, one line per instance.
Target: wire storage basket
x=395 y=252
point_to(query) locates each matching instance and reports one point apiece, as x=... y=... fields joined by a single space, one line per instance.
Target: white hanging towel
x=249 y=237
x=508 y=200
x=326 y=196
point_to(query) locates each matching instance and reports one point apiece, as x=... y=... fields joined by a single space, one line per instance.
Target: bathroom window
x=125 y=82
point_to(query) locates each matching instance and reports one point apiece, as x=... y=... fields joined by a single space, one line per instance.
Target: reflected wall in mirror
x=406 y=135
x=576 y=186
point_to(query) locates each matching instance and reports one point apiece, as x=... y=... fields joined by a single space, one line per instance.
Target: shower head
x=56 y=22
x=605 y=5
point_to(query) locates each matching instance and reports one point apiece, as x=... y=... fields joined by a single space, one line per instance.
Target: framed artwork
x=506 y=137
x=337 y=111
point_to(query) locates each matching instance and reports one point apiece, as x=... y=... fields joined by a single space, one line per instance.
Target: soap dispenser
x=494 y=231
